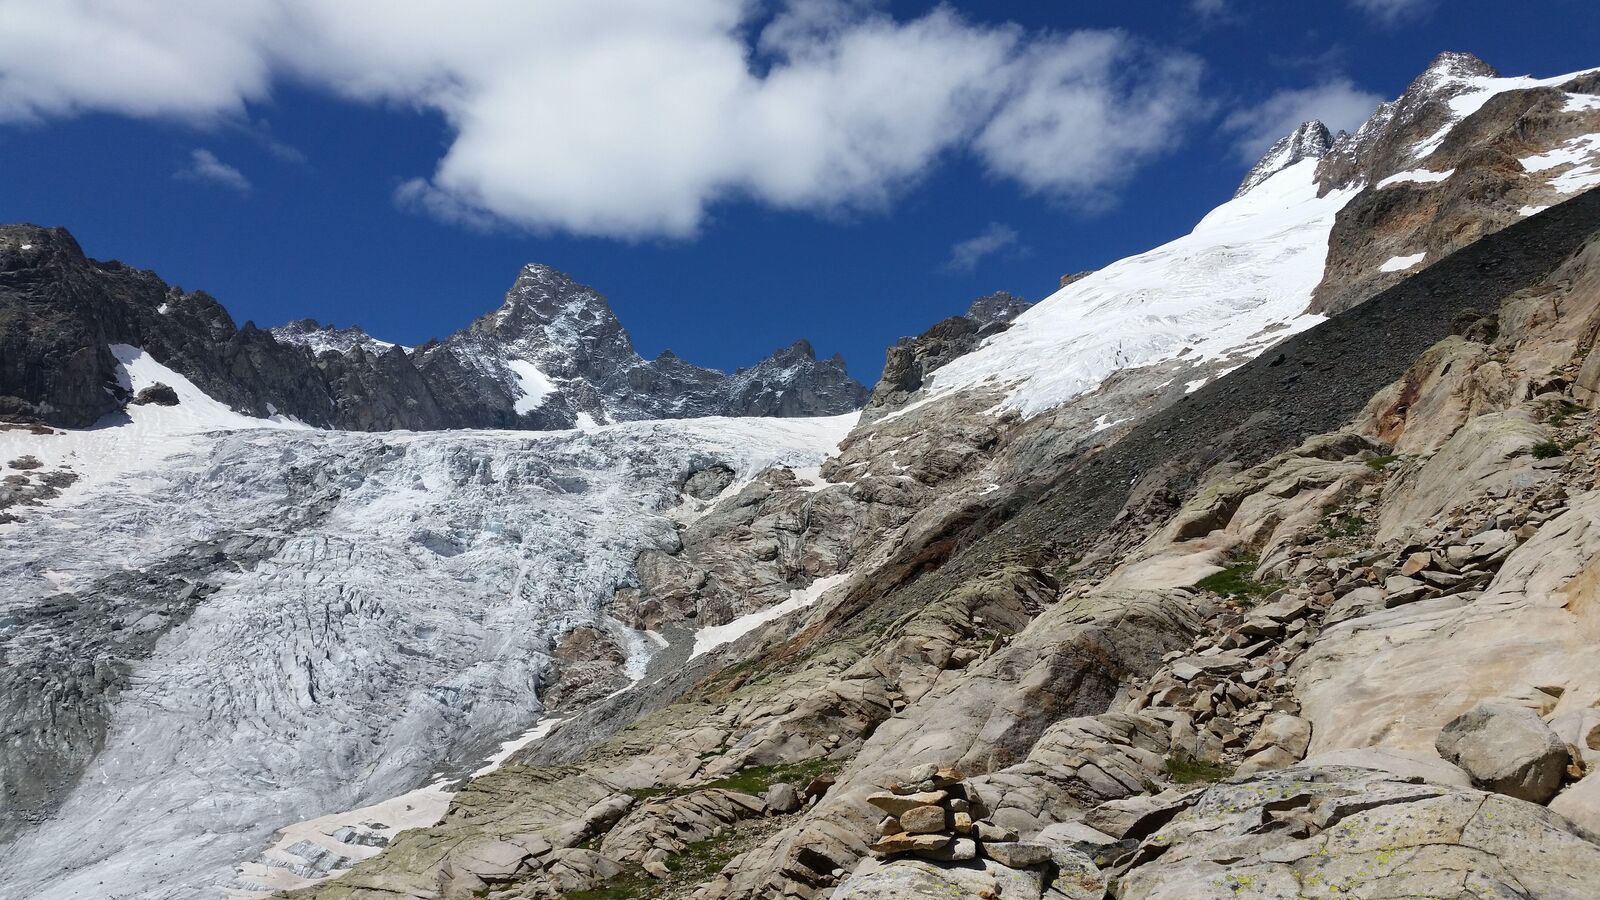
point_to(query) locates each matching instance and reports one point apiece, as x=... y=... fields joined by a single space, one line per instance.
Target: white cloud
x=632 y=117
x=1337 y=103
x=205 y=168
x=965 y=255
x=1208 y=8
x=1390 y=12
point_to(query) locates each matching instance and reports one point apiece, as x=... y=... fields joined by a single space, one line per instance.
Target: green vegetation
x=1236 y=581
x=1547 y=450
x=703 y=859
x=754 y=780
x=1185 y=770
x=1564 y=409
x=1338 y=525
x=627 y=886
x=1379 y=463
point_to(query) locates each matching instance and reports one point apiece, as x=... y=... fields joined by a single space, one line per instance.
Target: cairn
x=929 y=813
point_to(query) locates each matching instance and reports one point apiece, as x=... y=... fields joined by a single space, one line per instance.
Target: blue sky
x=731 y=177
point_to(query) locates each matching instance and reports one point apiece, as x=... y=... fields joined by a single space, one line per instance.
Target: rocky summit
x=1259 y=564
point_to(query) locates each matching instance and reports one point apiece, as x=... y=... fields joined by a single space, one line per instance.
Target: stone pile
x=930 y=814
x=1229 y=699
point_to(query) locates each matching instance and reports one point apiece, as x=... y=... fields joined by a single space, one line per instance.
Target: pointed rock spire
x=1309 y=141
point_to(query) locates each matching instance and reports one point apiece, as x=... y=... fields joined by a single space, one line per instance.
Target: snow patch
x=536 y=387
x=1422 y=176
x=1105 y=421
x=507 y=748
x=1579 y=154
x=1402 y=263
x=708 y=639
x=1574 y=151
x=1575 y=103
x=1531 y=210
x=142 y=436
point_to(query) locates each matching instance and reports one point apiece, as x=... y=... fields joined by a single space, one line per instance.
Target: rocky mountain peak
x=1405 y=129
x=1456 y=64
x=27 y=246
x=999 y=306
x=1310 y=140
x=543 y=296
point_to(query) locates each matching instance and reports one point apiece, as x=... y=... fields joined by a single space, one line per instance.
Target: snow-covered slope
x=378 y=609
x=1236 y=284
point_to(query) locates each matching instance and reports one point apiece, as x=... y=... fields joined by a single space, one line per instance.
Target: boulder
x=958 y=850
x=1017 y=854
x=1506 y=749
x=1076 y=876
x=1266 y=760
x=1291 y=733
x=159 y=394
x=783 y=798
x=1139 y=815
x=1399 y=763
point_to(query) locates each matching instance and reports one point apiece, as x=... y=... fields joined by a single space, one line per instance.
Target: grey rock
x=1018 y=854
x=783 y=798
x=923 y=820
x=1506 y=749
x=1372 y=834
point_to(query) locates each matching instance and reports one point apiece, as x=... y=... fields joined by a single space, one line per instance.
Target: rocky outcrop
x=1357 y=833
x=910 y=361
x=553 y=352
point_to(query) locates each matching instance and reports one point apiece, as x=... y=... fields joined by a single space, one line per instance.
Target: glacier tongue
x=390 y=619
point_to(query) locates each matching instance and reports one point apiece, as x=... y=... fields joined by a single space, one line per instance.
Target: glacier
x=379 y=609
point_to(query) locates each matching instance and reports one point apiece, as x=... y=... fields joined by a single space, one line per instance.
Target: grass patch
x=627 y=886
x=1236 y=581
x=1546 y=450
x=702 y=859
x=754 y=780
x=1184 y=770
x=1379 y=463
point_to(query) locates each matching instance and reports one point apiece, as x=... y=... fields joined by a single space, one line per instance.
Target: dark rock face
x=552 y=354
x=910 y=361
x=1309 y=141
x=584 y=362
